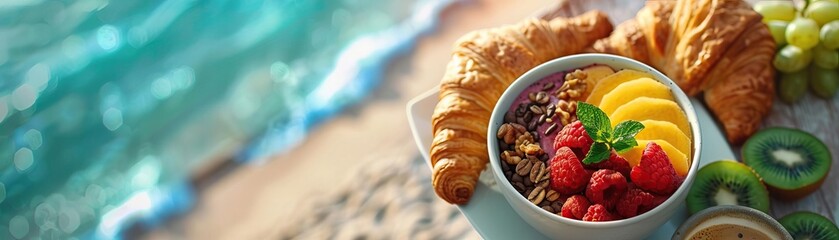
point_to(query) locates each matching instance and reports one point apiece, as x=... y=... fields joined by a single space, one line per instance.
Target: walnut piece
x=567 y=111
x=574 y=87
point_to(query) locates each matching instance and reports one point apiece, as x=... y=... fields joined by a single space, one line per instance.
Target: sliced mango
x=679 y=160
x=645 y=108
x=628 y=91
x=667 y=131
x=594 y=74
x=608 y=83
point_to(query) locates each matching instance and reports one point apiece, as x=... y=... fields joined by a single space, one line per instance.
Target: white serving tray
x=493 y=217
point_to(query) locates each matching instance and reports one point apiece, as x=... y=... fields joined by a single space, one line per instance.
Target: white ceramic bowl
x=558 y=227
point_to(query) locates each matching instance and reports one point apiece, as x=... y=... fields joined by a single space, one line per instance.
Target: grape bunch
x=808 y=46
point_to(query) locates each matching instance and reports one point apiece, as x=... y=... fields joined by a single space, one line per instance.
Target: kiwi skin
x=805 y=219
x=784 y=193
x=795 y=194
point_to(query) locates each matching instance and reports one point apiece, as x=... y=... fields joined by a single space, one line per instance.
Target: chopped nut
x=574 y=86
x=519 y=128
x=532 y=149
x=511 y=157
x=567 y=111
x=524 y=139
x=503 y=129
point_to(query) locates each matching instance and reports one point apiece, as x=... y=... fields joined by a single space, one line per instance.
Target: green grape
x=822 y=11
x=775 y=10
x=793 y=86
x=803 y=33
x=825 y=58
x=829 y=35
x=778 y=30
x=792 y=59
x=824 y=82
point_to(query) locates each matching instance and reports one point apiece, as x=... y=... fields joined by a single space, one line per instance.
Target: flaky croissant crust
x=483 y=65
x=719 y=47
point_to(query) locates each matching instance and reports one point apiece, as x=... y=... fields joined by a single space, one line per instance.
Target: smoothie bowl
x=594 y=146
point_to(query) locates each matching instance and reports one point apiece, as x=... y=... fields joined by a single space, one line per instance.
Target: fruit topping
x=574 y=136
x=628 y=91
x=667 y=131
x=598 y=213
x=593 y=74
x=575 y=207
x=606 y=84
x=599 y=128
x=615 y=162
x=655 y=173
x=644 y=108
x=567 y=173
x=606 y=187
x=635 y=202
x=678 y=159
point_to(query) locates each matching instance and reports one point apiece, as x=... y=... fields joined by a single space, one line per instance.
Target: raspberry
x=567 y=173
x=598 y=213
x=635 y=202
x=575 y=207
x=655 y=173
x=615 y=162
x=606 y=187
x=658 y=199
x=574 y=136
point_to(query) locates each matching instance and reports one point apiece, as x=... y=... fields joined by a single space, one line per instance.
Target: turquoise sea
x=107 y=108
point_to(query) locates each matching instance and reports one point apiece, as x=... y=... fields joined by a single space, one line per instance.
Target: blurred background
x=215 y=118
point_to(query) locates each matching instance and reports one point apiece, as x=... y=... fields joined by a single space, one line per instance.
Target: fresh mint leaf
x=627 y=129
x=595 y=121
x=624 y=135
x=624 y=144
x=599 y=151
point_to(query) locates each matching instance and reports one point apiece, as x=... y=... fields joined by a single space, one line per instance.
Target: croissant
x=719 y=47
x=483 y=65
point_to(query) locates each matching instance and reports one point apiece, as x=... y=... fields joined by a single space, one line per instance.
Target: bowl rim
x=704 y=214
x=532 y=75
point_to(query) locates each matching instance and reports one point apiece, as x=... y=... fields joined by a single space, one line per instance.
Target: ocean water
x=108 y=107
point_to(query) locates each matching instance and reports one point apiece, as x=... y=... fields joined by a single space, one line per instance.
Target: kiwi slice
x=791 y=162
x=727 y=182
x=809 y=225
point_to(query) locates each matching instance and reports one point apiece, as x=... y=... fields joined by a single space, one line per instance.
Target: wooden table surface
x=250 y=200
